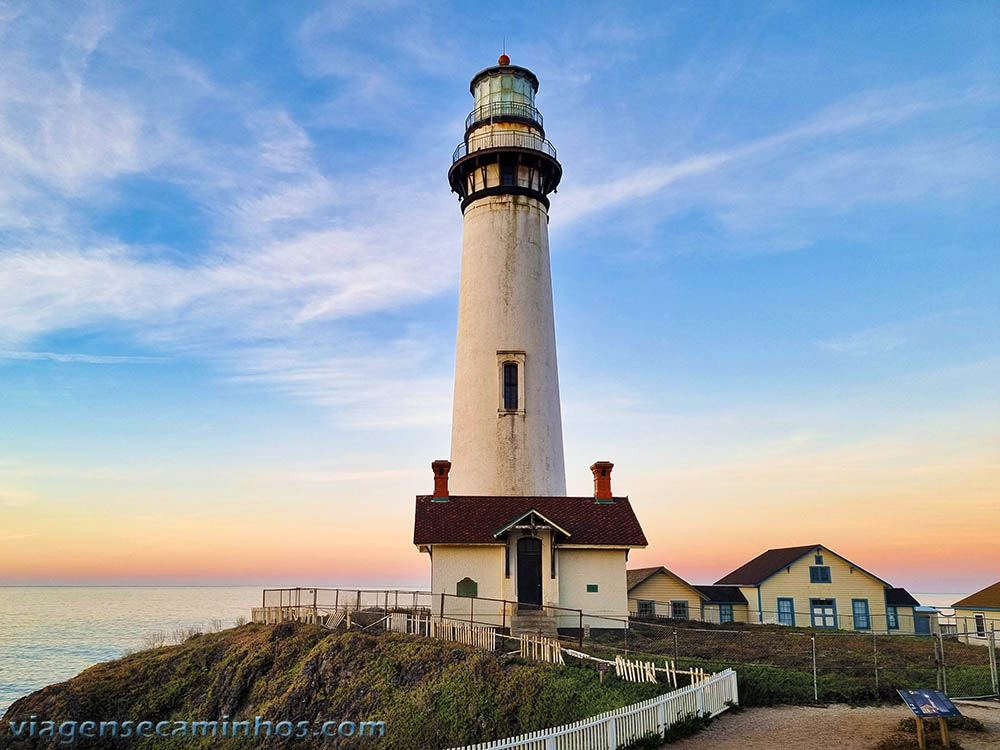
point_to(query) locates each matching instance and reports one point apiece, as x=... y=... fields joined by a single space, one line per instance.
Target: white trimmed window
x=510 y=382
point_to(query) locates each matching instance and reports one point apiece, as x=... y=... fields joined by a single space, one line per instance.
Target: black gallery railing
x=499 y=110
x=504 y=139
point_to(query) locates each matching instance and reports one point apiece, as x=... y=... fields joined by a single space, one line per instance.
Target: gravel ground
x=836 y=727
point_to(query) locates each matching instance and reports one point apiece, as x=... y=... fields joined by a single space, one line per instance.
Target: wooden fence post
x=815 y=681
x=875 y=658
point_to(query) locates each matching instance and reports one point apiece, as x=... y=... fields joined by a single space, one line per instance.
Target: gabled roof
x=722 y=594
x=900 y=598
x=710 y=594
x=467 y=519
x=635 y=576
x=533 y=515
x=764 y=565
x=987 y=598
x=768 y=563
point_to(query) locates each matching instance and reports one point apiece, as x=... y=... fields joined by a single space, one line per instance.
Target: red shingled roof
x=988 y=597
x=770 y=562
x=465 y=519
x=766 y=563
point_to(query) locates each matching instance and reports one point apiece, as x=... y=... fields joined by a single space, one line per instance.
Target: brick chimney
x=440 y=469
x=602 y=479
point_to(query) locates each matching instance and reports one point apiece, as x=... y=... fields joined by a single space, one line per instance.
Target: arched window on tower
x=510 y=385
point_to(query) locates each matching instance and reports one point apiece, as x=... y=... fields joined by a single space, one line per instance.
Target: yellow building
x=978 y=615
x=658 y=592
x=812 y=586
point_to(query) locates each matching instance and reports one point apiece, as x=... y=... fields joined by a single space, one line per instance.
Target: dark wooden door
x=529 y=570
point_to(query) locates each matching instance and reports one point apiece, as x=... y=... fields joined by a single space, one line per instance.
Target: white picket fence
x=408 y=624
x=645 y=671
x=540 y=648
x=477 y=636
x=612 y=729
x=635 y=671
x=697 y=674
x=333 y=619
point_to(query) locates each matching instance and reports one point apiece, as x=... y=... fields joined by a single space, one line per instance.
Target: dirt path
x=836 y=727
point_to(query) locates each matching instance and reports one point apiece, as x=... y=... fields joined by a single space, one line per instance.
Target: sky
x=229 y=264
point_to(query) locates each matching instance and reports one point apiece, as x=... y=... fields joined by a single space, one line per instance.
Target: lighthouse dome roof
x=497 y=70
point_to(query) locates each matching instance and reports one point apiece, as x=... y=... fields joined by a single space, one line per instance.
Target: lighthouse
x=506 y=435
x=507 y=547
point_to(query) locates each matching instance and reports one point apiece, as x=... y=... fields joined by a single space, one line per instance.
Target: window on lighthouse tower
x=510 y=385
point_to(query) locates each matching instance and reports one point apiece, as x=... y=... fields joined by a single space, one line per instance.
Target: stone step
x=533 y=622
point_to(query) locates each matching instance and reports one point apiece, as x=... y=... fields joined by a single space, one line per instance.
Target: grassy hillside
x=431 y=694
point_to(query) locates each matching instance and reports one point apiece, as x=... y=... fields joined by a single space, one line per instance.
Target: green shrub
x=688 y=725
x=649 y=741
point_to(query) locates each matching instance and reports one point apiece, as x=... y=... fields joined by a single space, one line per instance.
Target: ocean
x=51 y=633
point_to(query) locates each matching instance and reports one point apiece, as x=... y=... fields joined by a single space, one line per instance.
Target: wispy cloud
x=298 y=244
x=15 y=498
x=869 y=341
x=16 y=537
x=870 y=113
x=887 y=337
x=92 y=359
x=398 y=387
x=293 y=244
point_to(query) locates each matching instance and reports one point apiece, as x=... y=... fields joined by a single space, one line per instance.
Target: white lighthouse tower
x=506 y=434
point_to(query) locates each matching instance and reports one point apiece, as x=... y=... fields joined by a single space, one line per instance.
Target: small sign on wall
x=591 y=588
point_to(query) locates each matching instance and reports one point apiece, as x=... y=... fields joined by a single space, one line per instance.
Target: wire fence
x=832 y=665
x=778 y=663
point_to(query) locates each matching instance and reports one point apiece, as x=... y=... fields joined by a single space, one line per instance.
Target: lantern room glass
x=504 y=87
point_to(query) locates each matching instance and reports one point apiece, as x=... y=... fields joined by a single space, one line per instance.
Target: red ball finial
x=503 y=60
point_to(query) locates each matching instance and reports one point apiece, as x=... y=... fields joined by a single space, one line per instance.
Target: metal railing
x=314 y=605
x=504 y=139
x=500 y=110
x=295 y=599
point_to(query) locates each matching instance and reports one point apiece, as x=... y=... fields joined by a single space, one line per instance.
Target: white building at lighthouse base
x=530 y=563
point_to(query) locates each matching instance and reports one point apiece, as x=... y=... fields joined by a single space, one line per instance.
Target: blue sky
x=229 y=264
